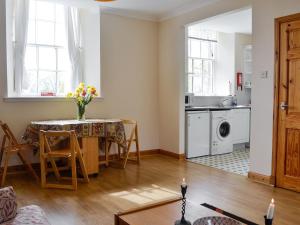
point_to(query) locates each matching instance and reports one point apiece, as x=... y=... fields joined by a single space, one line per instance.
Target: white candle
x=271 y=209
x=183 y=183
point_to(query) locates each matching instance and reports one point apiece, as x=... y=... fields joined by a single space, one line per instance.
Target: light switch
x=264 y=74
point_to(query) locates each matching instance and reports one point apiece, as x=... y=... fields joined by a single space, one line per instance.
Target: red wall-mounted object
x=239 y=80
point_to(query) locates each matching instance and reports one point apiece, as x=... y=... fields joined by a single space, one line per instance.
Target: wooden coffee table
x=163 y=213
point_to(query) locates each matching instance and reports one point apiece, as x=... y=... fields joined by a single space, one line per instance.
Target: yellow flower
x=81 y=85
x=79 y=99
x=70 y=95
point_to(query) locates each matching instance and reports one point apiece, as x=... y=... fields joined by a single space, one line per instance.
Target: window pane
x=194 y=31
x=60 y=35
x=61 y=81
x=205 y=49
x=47 y=58
x=207 y=77
x=189 y=47
x=213 y=50
x=32 y=5
x=60 y=13
x=195 y=48
x=197 y=85
x=47 y=82
x=197 y=66
x=207 y=67
x=190 y=84
x=31 y=32
x=63 y=60
x=30 y=58
x=45 y=33
x=45 y=11
x=29 y=84
x=207 y=85
x=190 y=65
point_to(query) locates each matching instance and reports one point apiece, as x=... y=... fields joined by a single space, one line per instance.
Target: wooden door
x=288 y=103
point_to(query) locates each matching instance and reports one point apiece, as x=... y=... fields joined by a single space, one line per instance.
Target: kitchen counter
x=216 y=108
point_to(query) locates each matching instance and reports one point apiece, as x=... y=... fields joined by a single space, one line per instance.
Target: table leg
x=90 y=151
x=106 y=151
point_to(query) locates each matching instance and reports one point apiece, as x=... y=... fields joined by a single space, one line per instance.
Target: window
x=47 y=66
x=51 y=46
x=201 y=60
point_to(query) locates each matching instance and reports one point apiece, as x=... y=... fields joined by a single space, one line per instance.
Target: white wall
x=264 y=13
x=129 y=75
x=241 y=40
x=225 y=65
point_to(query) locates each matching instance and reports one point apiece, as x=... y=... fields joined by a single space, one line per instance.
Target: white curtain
x=74 y=44
x=21 y=28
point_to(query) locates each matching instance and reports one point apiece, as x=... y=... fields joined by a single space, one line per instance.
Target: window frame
x=213 y=62
x=38 y=46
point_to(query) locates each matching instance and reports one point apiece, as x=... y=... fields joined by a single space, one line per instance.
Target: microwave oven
x=188 y=99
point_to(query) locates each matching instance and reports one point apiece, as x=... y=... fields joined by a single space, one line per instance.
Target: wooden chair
x=132 y=126
x=11 y=146
x=71 y=153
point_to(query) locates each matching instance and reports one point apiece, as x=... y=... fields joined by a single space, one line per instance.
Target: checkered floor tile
x=235 y=162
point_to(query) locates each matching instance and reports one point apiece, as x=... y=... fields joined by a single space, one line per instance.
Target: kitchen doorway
x=218 y=91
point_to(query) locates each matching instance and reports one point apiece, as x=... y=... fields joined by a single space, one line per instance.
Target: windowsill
x=43 y=99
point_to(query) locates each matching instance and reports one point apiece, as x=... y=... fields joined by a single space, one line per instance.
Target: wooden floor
x=157 y=178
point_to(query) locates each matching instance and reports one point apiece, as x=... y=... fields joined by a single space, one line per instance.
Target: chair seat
x=64 y=153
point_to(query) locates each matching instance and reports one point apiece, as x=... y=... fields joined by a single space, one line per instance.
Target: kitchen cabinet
x=240 y=126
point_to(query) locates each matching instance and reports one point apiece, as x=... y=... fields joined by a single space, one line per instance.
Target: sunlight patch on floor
x=146 y=195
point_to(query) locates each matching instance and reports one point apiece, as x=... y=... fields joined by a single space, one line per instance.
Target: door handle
x=283 y=106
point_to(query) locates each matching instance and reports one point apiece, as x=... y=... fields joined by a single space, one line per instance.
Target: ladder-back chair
x=11 y=146
x=71 y=153
x=132 y=127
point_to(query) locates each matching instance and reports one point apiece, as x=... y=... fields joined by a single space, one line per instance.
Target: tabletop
x=165 y=213
x=102 y=128
x=74 y=122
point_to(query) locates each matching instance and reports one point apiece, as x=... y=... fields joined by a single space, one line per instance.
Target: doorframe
x=278 y=22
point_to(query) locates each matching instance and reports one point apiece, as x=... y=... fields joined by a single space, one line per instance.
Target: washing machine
x=221 y=132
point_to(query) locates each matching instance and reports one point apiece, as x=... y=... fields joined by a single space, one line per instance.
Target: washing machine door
x=223 y=130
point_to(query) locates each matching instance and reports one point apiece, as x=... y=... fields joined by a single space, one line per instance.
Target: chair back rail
x=8 y=134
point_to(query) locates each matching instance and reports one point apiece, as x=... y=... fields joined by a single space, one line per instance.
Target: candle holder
x=183 y=221
x=268 y=221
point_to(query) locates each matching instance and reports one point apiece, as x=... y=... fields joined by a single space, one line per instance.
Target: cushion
x=8 y=204
x=31 y=214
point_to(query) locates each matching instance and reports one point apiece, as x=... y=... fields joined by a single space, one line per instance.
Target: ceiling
x=236 y=22
x=153 y=9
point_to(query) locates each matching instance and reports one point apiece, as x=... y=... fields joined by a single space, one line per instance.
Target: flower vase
x=81 y=112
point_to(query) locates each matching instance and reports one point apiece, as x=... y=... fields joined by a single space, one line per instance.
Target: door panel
x=294 y=86
x=288 y=146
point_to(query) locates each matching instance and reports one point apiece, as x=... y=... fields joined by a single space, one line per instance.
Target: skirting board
x=260 y=178
x=172 y=154
x=20 y=168
x=151 y=152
